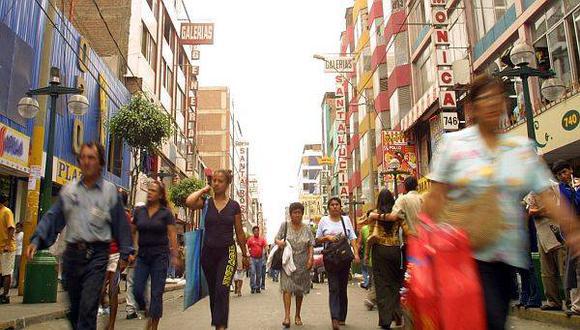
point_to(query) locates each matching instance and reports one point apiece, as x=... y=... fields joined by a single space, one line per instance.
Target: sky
x=263 y=52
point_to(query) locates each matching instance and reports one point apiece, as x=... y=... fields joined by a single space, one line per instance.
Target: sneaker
x=253 y=291
x=132 y=316
x=258 y=291
x=548 y=307
x=101 y=311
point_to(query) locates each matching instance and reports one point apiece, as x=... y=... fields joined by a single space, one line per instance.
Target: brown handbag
x=480 y=217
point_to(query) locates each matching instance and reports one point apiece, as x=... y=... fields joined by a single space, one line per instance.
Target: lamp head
x=522 y=54
x=28 y=107
x=78 y=104
x=553 y=88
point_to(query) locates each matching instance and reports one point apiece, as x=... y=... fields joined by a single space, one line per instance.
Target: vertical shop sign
x=342 y=164
x=243 y=179
x=445 y=79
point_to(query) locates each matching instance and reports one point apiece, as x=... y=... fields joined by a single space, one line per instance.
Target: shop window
x=556 y=43
x=115 y=156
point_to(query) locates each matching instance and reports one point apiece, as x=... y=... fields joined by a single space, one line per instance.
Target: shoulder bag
x=338 y=255
x=277 y=258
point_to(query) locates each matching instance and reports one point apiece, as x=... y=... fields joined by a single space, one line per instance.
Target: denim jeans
x=338 y=298
x=152 y=265
x=365 y=274
x=256 y=273
x=530 y=291
x=263 y=286
x=84 y=274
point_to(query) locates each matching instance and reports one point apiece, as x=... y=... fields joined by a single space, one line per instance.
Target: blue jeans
x=84 y=267
x=365 y=273
x=264 y=274
x=530 y=292
x=154 y=265
x=256 y=273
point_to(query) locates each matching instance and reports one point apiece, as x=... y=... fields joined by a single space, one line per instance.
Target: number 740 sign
x=449 y=120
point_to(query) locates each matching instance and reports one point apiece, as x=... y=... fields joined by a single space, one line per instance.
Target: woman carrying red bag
x=477 y=159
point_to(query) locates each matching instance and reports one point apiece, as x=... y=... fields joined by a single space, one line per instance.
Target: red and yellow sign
x=396 y=145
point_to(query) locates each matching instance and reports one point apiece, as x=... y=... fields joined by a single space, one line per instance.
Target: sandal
x=285 y=324
x=298 y=320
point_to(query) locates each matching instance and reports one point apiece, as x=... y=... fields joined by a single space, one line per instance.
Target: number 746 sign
x=449 y=120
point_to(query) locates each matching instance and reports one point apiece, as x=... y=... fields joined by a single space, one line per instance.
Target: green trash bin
x=41 y=280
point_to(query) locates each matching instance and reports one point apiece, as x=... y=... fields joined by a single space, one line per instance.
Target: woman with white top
x=330 y=229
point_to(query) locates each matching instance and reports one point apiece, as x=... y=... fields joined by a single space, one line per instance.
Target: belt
x=86 y=245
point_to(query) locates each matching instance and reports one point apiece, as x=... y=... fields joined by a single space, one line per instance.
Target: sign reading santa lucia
x=342 y=164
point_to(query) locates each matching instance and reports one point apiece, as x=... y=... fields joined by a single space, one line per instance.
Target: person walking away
x=387 y=257
x=240 y=273
x=19 y=237
x=362 y=237
x=264 y=271
x=218 y=255
x=298 y=283
x=157 y=241
x=475 y=165
x=131 y=304
x=256 y=246
x=330 y=229
x=7 y=248
x=93 y=214
x=570 y=195
x=550 y=249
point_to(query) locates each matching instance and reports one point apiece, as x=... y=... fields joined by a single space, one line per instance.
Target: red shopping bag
x=442 y=286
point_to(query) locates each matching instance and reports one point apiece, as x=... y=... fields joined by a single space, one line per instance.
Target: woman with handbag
x=298 y=283
x=478 y=180
x=336 y=233
x=218 y=255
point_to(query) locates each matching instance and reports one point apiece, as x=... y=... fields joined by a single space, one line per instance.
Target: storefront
x=14 y=169
x=558 y=131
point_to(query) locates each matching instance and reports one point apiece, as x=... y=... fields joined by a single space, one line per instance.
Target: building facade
x=214 y=127
x=308 y=182
x=423 y=55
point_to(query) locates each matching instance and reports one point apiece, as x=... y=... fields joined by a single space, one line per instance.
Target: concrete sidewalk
x=549 y=317
x=17 y=315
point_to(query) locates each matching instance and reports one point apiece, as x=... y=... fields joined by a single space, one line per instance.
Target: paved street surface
x=265 y=311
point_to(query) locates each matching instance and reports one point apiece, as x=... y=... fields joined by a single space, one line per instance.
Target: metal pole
x=528 y=109
x=46 y=193
x=396 y=189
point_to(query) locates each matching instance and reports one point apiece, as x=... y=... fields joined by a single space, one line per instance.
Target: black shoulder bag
x=338 y=255
x=277 y=258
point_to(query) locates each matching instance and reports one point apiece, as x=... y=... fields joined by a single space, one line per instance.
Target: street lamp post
x=394 y=166
x=521 y=56
x=28 y=108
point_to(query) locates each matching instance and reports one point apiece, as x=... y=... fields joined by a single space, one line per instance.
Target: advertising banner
x=14 y=149
x=396 y=145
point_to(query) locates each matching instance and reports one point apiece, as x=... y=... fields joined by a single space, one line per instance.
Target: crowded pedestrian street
x=290 y=164
x=264 y=312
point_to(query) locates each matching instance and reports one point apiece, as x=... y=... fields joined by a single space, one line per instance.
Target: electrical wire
x=115 y=100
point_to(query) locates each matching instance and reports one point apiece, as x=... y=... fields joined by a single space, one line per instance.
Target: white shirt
x=19 y=238
x=329 y=227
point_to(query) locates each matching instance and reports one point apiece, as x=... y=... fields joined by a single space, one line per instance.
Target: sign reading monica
x=197 y=33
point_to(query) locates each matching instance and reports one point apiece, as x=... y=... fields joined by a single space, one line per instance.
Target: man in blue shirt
x=569 y=193
x=93 y=213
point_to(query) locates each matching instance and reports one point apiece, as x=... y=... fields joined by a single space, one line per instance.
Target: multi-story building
x=139 y=41
x=256 y=213
x=308 y=181
x=214 y=127
x=552 y=28
x=327 y=178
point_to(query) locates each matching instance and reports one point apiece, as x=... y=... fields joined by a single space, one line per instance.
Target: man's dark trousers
x=84 y=268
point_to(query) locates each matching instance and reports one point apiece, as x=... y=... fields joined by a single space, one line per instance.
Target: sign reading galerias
x=341 y=152
x=197 y=33
x=445 y=81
